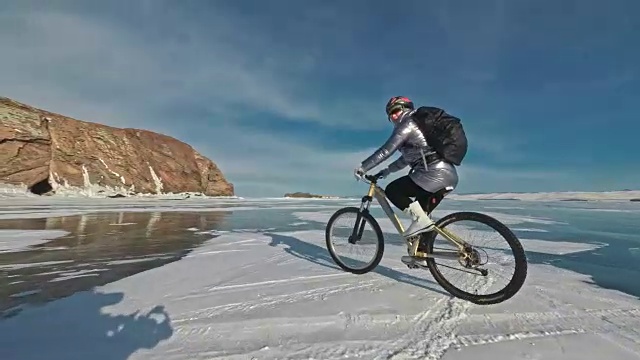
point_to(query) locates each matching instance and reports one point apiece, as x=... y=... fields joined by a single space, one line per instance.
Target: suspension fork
x=358 y=227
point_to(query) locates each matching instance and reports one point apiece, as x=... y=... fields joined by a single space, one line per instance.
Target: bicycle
x=421 y=246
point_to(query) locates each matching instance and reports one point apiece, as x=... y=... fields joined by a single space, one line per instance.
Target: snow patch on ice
x=137 y=260
x=34 y=264
x=25 y=293
x=530 y=230
x=288 y=300
x=214 y=232
x=18 y=240
x=558 y=247
x=509 y=219
x=69 y=275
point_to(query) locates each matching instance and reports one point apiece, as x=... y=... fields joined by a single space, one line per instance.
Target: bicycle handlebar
x=373 y=178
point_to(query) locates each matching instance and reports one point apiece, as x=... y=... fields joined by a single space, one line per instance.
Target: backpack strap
x=424 y=160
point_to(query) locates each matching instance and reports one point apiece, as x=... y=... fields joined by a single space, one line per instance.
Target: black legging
x=401 y=190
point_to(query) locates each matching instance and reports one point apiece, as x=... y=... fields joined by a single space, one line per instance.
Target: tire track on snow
x=191 y=322
x=434 y=331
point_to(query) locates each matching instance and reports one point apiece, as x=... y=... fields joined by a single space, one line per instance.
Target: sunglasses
x=394 y=112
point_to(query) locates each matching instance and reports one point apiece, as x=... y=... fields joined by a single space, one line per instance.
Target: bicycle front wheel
x=354 y=240
x=494 y=259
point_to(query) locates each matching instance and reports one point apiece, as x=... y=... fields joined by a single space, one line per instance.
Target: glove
x=358 y=173
x=383 y=173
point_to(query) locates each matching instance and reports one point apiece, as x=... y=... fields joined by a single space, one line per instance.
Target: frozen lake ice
x=252 y=279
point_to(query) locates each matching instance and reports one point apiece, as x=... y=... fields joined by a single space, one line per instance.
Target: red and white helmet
x=396 y=105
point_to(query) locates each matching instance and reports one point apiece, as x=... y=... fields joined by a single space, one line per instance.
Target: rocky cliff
x=47 y=152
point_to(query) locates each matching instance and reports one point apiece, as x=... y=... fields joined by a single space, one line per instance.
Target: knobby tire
x=519 y=275
x=365 y=216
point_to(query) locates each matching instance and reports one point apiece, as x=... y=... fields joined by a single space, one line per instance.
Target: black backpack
x=443 y=132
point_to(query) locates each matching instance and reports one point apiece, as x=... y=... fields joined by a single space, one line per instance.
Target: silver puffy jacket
x=429 y=170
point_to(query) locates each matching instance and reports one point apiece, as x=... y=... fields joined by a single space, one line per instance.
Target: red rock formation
x=41 y=149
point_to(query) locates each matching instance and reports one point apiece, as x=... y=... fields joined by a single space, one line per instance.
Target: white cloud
x=101 y=71
x=93 y=61
x=94 y=70
x=263 y=163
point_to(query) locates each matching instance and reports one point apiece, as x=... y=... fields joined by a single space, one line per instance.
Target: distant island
x=305 y=195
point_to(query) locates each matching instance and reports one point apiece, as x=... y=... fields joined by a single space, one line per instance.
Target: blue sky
x=289 y=95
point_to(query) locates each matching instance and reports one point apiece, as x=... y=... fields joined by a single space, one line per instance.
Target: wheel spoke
x=358 y=256
x=479 y=260
x=463 y=270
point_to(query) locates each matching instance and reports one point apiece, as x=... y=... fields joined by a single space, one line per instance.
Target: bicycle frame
x=376 y=192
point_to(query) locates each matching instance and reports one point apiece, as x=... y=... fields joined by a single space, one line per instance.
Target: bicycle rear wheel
x=507 y=244
x=368 y=239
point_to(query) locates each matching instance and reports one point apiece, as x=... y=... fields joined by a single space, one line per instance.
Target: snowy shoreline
x=632 y=195
x=7 y=190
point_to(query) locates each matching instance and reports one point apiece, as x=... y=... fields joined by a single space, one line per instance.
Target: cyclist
x=429 y=171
